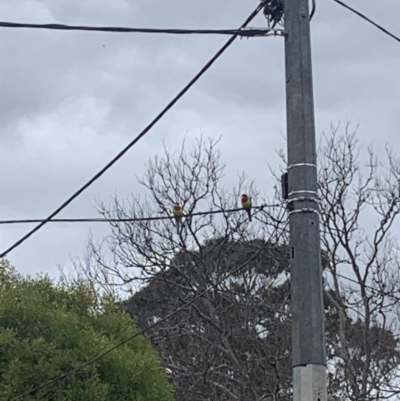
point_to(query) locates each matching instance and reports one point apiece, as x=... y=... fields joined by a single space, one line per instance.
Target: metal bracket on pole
x=304 y=211
x=304 y=199
x=302 y=165
x=312 y=198
x=304 y=191
x=253 y=32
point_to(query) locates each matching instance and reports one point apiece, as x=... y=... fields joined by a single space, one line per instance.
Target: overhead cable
x=384 y=30
x=127 y=219
x=245 y=32
x=137 y=138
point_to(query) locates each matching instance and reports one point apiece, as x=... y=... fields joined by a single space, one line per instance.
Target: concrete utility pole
x=308 y=336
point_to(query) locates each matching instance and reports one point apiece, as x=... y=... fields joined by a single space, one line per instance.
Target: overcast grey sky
x=71 y=100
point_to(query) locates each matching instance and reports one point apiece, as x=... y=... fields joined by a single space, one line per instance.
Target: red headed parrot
x=246 y=204
x=177 y=211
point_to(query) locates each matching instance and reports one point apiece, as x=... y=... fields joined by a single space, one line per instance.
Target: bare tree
x=359 y=205
x=141 y=249
x=234 y=342
x=216 y=347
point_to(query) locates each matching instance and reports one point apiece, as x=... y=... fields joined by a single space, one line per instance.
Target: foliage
x=47 y=330
x=234 y=342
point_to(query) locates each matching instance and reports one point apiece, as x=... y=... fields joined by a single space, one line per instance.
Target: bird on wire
x=246 y=204
x=177 y=211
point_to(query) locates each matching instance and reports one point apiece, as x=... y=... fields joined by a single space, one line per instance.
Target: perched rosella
x=246 y=204
x=177 y=211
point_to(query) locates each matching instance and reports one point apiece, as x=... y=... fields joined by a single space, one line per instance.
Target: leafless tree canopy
x=233 y=343
x=359 y=204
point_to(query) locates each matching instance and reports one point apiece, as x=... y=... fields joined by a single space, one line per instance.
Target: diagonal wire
x=313 y=8
x=137 y=138
x=384 y=30
x=105 y=351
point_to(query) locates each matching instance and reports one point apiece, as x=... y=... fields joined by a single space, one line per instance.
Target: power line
x=138 y=137
x=61 y=27
x=104 y=352
x=130 y=220
x=375 y=290
x=369 y=20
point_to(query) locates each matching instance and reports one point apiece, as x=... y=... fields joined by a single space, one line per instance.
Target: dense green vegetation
x=48 y=329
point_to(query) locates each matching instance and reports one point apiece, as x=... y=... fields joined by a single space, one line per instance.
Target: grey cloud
x=71 y=101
